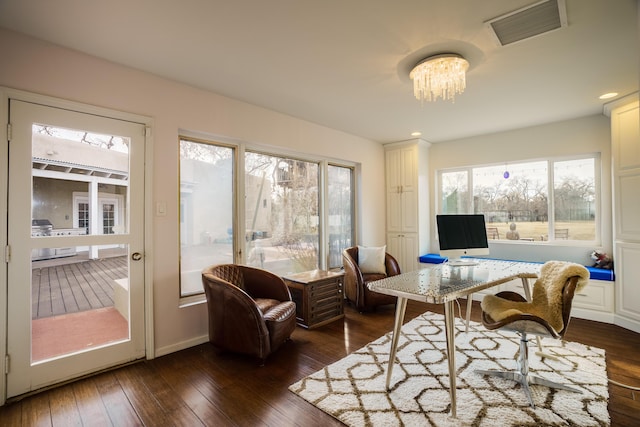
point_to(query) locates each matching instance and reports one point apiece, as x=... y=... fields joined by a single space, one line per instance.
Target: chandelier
x=439 y=76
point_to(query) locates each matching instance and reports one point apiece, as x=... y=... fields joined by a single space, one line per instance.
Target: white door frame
x=5 y=95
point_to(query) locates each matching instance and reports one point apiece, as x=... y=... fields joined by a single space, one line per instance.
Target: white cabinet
x=404 y=247
x=625 y=148
x=407 y=201
x=627 y=268
x=401 y=173
x=625 y=139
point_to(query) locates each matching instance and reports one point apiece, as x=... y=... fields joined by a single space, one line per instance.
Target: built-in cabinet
x=407 y=201
x=625 y=147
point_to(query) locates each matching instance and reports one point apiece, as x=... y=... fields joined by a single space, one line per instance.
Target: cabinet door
x=625 y=129
x=393 y=165
x=404 y=248
x=627 y=273
x=625 y=138
x=409 y=253
x=408 y=169
x=394 y=246
x=409 y=214
x=394 y=195
x=627 y=205
x=401 y=183
x=394 y=211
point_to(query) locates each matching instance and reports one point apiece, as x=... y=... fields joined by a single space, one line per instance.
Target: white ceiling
x=344 y=63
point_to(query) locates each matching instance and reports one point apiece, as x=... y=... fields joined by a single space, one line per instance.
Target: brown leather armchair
x=355 y=281
x=250 y=310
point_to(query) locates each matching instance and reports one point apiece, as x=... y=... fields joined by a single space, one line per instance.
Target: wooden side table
x=318 y=296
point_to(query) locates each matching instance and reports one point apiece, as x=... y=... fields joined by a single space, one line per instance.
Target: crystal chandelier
x=439 y=76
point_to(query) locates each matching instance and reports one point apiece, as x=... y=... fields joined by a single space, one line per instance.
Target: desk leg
x=401 y=306
x=449 y=318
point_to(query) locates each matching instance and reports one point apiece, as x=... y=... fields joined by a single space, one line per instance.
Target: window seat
x=595 y=273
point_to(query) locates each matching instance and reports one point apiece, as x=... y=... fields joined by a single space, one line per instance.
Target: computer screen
x=462 y=235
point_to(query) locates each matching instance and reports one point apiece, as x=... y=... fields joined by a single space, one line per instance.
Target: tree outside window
x=529 y=201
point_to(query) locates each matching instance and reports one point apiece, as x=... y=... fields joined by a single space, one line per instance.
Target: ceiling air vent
x=530 y=21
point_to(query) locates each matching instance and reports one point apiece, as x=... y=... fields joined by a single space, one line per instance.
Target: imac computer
x=462 y=235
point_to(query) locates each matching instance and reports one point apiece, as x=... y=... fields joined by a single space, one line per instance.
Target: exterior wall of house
x=38 y=67
x=53 y=200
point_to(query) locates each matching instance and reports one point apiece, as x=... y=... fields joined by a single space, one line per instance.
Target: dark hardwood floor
x=197 y=386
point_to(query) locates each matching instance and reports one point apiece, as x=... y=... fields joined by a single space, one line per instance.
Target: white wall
x=567 y=138
x=38 y=67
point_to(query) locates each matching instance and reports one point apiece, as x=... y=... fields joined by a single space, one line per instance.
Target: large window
x=206 y=210
x=340 y=207
x=528 y=201
x=290 y=215
x=281 y=213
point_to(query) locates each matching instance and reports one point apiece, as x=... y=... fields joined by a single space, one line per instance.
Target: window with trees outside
x=537 y=201
x=282 y=219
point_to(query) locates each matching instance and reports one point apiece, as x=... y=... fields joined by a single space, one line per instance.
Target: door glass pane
x=206 y=211
x=78 y=303
x=340 y=205
x=574 y=200
x=72 y=171
x=282 y=222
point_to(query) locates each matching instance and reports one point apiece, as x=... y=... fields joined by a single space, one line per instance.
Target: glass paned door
x=76 y=289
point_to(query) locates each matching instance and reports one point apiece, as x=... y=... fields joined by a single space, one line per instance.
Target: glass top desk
x=443 y=284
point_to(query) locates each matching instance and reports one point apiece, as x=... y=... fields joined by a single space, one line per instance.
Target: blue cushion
x=595 y=273
x=601 y=274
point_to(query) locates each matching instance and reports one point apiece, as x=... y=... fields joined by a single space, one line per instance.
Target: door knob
x=136 y=256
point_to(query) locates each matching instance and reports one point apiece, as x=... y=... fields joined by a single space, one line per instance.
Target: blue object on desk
x=432 y=259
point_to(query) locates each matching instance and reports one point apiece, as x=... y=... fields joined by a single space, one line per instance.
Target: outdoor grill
x=44 y=228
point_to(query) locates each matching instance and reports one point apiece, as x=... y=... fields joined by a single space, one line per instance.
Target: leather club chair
x=250 y=309
x=355 y=281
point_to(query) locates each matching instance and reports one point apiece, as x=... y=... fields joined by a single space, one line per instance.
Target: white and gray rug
x=353 y=389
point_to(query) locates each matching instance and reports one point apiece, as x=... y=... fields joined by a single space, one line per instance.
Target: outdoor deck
x=71 y=285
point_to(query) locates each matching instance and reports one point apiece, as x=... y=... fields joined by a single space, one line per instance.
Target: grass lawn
x=539 y=231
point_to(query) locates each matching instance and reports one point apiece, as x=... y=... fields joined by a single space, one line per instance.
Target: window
x=528 y=201
x=206 y=210
x=278 y=219
x=108 y=218
x=340 y=207
x=455 y=192
x=282 y=213
x=109 y=211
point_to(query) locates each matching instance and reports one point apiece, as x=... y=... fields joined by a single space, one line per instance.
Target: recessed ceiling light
x=416 y=133
x=609 y=95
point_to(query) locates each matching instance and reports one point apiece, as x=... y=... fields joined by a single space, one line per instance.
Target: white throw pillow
x=371 y=260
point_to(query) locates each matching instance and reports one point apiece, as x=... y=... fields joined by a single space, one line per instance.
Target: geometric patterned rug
x=352 y=389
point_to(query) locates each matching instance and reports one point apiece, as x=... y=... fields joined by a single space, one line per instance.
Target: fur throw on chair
x=547 y=295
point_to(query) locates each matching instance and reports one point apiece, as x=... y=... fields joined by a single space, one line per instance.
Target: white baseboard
x=598 y=316
x=162 y=351
x=631 y=324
